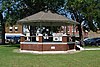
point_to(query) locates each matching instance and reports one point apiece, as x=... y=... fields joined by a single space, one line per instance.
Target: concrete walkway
x=82 y=48
x=49 y=52
x=91 y=48
x=54 y=52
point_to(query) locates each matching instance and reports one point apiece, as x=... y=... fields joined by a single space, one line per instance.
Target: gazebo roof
x=46 y=18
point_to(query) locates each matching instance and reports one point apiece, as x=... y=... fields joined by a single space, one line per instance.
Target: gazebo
x=56 y=41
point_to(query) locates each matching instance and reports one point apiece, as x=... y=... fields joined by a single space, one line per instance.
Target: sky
x=0 y=4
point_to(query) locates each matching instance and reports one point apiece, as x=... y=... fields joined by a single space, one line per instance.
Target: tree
x=18 y=9
x=11 y=10
x=14 y=10
x=85 y=10
x=89 y=8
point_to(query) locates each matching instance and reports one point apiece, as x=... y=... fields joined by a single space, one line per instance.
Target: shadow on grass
x=12 y=45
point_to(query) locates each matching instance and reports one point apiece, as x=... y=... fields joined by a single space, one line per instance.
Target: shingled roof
x=47 y=18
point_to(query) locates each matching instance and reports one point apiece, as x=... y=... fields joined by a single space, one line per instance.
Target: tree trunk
x=3 y=33
x=80 y=30
x=80 y=35
x=2 y=30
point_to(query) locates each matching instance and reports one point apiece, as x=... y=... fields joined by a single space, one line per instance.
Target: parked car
x=92 y=41
x=15 y=40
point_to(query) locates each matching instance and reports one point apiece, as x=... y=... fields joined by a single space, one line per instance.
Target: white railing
x=46 y=38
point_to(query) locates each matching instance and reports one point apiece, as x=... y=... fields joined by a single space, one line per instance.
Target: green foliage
x=18 y=9
x=10 y=9
x=89 y=8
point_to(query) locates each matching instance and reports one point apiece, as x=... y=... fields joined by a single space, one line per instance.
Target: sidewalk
x=91 y=48
x=47 y=52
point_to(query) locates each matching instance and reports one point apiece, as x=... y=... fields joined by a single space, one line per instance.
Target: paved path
x=47 y=52
x=91 y=48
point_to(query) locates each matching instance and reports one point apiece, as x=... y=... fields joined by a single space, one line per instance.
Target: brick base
x=47 y=47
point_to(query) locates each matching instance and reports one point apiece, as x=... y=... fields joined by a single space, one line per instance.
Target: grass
x=8 y=58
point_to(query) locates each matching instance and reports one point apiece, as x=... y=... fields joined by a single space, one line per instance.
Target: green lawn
x=8 y=58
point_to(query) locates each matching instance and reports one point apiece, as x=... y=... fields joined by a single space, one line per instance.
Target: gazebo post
x=66 y=29
x=40 y=38
x=73 y=37
x=22 y=39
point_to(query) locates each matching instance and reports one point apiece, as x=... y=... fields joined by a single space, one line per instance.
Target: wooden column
x=40 y=46
x=66 y=29
x=22 y=39
x=40 y=37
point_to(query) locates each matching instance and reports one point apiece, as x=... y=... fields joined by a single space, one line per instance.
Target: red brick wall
x=76 y=32
x=47 y=47
x=34 y=47
x=7 y=30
